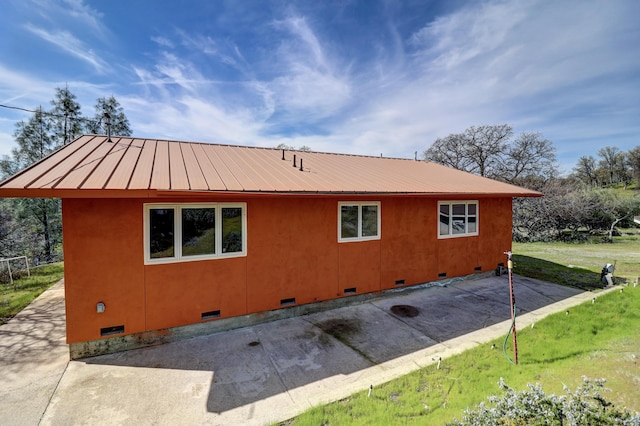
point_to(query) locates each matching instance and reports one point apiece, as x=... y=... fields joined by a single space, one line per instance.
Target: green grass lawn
x=599 y=340
x=14 y=298
x=579 y=264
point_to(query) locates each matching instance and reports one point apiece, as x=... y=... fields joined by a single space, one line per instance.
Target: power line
x=51 y=114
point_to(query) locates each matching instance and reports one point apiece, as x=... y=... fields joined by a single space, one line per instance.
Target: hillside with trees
x=599 y=195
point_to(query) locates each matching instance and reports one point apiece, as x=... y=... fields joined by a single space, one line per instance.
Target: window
x=358 y=221
x=184 y=232
x=457 y=218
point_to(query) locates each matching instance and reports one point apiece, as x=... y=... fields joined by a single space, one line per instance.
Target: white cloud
x=72 y=45
x=299 y=28
x=486 y=63
x=162 y=41
x=24 y=90
x=201 y=43
x=72 y=14
x=311 y=84
x=191 y=118
x=85 y=14
x=16 y=85
x=494 y=62
x=558 y=68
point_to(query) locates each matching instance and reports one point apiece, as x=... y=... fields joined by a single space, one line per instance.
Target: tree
x=530 y=156
x=303 y=148
x=488 y=151
x=478 y=150
x=119 y=121
x=616 y=208
x=66 y=117
x=41 y=216
x=34 y=225
x=34 y=142
x=7 y=231
x=586 y=171
x=610 y=159
x=633 y=162
x=546 y=218
x=449 y=152
x=567 y=208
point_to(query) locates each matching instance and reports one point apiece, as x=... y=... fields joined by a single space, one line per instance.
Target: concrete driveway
x=263 y=373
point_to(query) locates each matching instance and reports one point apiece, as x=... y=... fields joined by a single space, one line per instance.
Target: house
x=162 y=234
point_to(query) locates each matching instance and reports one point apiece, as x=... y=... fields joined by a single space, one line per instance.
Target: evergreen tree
x=34 y=140
x=66 y=117
x=37 y=216
x=119 y=121
x=33 y=226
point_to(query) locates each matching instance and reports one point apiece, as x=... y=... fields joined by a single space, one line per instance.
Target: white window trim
x=450 y=204
x=177 y=226
x=360 y=204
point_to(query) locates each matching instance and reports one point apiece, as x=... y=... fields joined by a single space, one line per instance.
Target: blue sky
x=363 y=77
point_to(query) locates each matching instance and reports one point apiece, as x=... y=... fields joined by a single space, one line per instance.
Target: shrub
x=585 y=406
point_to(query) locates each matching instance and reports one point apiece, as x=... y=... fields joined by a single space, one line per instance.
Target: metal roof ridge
x=271 y=148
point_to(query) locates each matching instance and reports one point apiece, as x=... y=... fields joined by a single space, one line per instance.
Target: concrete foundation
x=175 y=334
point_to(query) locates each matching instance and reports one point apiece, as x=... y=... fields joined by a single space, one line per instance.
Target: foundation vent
x=442 y=275
x=351 y=290
x=210 y=315
x=478 y=268
x=287 y=302
x=400 y=282
x=109 y=331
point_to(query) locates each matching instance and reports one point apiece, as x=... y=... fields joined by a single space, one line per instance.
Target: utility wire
x=51 y=114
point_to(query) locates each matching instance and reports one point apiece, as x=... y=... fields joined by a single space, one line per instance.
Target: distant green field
x=579 y=264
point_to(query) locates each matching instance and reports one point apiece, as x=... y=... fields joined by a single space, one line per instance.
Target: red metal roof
x=92 y=166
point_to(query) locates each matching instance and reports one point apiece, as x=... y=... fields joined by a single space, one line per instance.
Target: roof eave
x=152 y=193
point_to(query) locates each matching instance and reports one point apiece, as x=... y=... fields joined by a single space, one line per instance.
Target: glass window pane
x=232 y=229
x=471 y=209
x=444 y=225
x=369 y=221
x=349 y=222
x=471 y=225
x=198 y=231
x=459 y=209
x=458 y=225
x=161 y=233
x=444 y=219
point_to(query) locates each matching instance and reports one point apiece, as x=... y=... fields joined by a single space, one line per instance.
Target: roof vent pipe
x=283 y=154
x=301 y=169
x=294 y=161
x=107 y=122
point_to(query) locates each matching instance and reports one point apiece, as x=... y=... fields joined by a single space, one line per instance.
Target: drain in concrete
x=406 y=311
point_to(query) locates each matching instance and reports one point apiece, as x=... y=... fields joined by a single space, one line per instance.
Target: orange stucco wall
x=292 y=252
